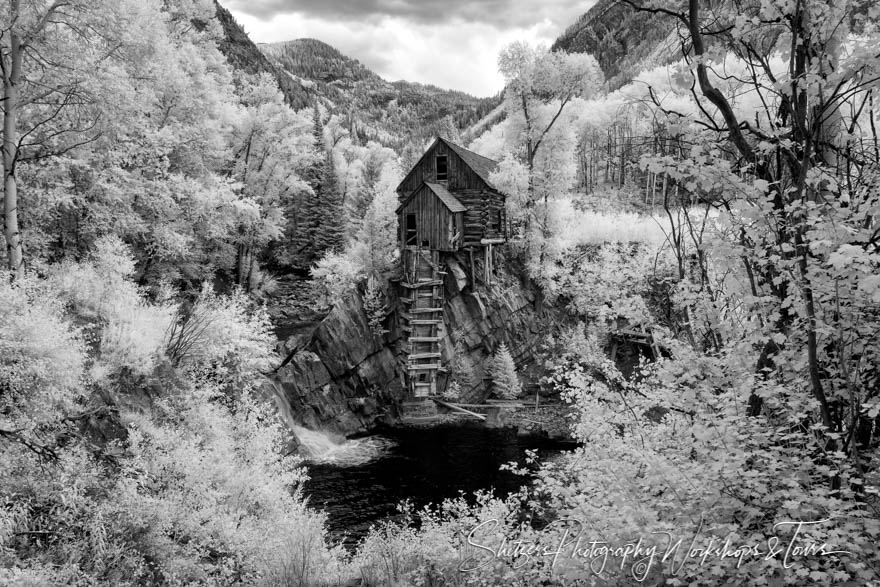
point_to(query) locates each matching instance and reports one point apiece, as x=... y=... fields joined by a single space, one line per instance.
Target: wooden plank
x=425 y=367
x=458 y=409
x=424 y=356
x=425 y=322
x=426 y=338
x=425 y=310
x=429 y=283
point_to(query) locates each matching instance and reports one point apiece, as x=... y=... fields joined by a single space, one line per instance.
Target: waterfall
x=319 y=447
x=325 y=448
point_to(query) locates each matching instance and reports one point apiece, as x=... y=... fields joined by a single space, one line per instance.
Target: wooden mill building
x=448 y=204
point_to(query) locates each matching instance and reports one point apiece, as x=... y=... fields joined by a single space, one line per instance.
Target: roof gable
x=481 y=166
x=450 y=201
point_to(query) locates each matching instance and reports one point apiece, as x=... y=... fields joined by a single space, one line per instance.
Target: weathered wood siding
x=460 y=176
x=432 y=222
x=485 y=217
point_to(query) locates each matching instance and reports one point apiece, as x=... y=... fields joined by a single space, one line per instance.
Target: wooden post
x=487 y=279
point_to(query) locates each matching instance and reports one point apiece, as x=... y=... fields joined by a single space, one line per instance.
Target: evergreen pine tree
x=330 y=233
x=505 y=382
x=309 y=213
x=320 y=222
x=322 y=227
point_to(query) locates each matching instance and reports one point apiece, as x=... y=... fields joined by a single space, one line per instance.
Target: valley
x=271 y=318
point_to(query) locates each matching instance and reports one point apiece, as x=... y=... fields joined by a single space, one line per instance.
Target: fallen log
x=458 y=409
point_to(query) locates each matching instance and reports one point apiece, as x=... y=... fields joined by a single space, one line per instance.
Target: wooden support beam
x=458 y=409
x=425 y=367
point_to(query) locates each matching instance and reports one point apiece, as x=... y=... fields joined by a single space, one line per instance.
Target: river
x=360 y=482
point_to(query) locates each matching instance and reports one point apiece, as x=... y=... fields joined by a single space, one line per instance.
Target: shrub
x=338 y=273
x=42 y=356
x=100 y=292
x=428 y=546
x=224 y=336
x=374 y=306
x=200 y=494
x=452 y=391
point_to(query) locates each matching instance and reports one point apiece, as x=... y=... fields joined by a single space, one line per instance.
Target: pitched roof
x=442 y=194
x=448 y=199
x=482 y=166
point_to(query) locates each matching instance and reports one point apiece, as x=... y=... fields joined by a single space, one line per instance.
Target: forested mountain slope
x=623 y=41
x=244 y=56
x=376 y=109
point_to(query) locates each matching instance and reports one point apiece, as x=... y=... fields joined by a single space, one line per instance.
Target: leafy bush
x=338 y=273
x=199 y=494
x=428 y=546
x=452 y=392
x=42 y=356
x=374 y=306
x=223 y=335
x=101 y=292
x=673 y=451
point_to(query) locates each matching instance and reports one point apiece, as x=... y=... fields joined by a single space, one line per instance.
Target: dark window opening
x=442 y=168
x=422 y=377
x=411 y=232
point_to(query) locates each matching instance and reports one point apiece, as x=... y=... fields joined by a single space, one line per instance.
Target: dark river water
x=424 y=466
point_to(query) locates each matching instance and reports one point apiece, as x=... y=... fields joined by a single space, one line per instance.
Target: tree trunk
x=11 y=79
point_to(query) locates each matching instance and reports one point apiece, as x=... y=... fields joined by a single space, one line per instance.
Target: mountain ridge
x=399 y=114
x=623 y=40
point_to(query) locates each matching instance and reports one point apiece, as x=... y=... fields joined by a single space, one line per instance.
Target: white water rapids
x=321 y=448
x=325 y=448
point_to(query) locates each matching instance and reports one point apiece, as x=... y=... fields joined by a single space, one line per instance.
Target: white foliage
x=41 y=356
x=132 y=330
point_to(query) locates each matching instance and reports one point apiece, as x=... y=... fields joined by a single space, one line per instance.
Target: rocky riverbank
x=340 y=375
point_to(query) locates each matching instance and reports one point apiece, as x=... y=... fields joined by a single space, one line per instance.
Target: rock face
x=347 y=379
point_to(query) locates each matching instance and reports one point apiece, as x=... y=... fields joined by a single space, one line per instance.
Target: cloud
x=450 y=52
x=500 y=14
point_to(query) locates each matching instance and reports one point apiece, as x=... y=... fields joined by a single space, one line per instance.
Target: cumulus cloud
x=399 y=39
x=500 y=14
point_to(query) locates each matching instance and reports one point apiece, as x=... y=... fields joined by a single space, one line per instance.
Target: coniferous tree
x=330 y=233
x=320 y=226
x=505 y=381
x=308 y=218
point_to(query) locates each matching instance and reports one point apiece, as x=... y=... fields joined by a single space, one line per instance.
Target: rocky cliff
x=345 y=378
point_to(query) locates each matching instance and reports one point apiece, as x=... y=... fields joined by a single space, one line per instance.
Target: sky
x=448 y=43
